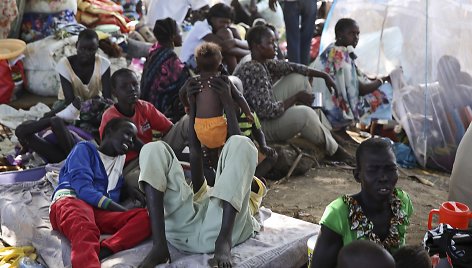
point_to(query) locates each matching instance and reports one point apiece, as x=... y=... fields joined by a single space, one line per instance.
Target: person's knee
x=158 y=151
x=87 y=226
x=153 y=147
x=303 y=116
x=22 y=131
x=299 y=81
x=57 y=122
x=239 y=140
x=242 y=145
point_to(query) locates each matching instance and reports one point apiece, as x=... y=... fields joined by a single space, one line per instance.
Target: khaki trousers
x=311 y=124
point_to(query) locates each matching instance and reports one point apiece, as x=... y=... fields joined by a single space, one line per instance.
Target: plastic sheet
x=431 y=41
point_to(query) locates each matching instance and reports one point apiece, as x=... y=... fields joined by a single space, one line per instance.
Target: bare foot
x=222 y=258
x=155 y=257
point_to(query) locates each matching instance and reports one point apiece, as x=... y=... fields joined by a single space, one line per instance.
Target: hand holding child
x=188 y=91
x=193 y=86
x=222 y=86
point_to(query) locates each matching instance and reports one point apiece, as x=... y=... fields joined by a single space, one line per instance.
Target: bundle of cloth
x=131 y=8
x=42 y=18
x=92 y=13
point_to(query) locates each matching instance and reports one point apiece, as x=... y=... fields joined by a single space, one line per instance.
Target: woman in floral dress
x=379 y=212
x=356 y=96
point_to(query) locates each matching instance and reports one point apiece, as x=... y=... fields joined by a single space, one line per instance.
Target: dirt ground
x=305 y=197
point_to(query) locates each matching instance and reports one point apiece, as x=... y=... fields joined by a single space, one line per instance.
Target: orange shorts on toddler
x=211 y=132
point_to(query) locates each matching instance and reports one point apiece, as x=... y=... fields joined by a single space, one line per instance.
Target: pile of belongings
x=42 y=18
x=93 y=13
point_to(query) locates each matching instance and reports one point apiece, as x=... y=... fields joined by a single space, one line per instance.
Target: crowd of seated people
x=226 y=111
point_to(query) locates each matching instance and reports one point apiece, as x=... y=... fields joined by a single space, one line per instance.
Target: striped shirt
x=246 y=126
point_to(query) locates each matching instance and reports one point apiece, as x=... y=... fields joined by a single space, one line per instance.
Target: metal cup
x=318 y=101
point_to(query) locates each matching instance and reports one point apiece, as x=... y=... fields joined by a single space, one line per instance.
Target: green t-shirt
x=336 y=218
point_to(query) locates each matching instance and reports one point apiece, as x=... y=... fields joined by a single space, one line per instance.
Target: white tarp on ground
x=431 y=40
x=24 y=220
x=12 y=118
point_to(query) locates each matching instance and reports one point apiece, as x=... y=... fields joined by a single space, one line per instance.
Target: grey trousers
x=311 y=124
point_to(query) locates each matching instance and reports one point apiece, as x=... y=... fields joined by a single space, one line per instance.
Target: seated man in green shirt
x=379 y=212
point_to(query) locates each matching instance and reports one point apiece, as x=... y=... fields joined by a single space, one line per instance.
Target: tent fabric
x=430 y=40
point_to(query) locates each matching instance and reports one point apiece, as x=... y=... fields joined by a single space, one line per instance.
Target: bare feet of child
x=155 y=256
x=222 y=258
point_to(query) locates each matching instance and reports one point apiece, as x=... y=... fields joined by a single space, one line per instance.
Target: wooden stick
x=416 y=178
x=294 y=165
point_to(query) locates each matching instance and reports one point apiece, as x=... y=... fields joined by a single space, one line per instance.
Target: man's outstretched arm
x=159 y=252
